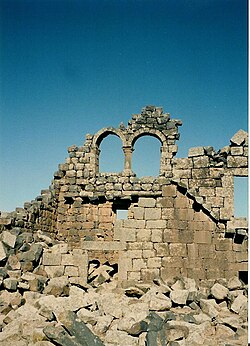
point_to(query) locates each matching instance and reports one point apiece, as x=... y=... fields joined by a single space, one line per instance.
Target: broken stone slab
x=234 y=283
x=210 y=307
x=33 y=254
x=219 y=291
x=9 y=239
x=3 y=252
x=155 y=335
x=78 y=329
x=179 y=296
x=60 y=336
x=5 y=221
x=178 y=285
x=58 y=286
x=116 y=309
x=133 y=316
x=176 y=332
x=239 y=303
x=232 y=321
x=156 y=300
x=10 y=284
x=134 y=291
x=102 y=324
x=11 y=333
x=13 y=262
x=45 y=238
x=118 y=337
x=137 y=328
x=87 y=316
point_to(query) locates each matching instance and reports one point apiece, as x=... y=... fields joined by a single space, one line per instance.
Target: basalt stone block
x=10 y=284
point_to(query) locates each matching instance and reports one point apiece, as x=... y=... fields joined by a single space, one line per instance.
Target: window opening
x=111 y=157
x=241 y=197
x=243 y=276
x=121 y=214
x=120 y=207
x=146 y=157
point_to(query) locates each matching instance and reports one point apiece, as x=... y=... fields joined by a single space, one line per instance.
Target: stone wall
x=179 y=223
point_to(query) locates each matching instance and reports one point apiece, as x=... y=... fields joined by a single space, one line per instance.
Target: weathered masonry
x=179 y=223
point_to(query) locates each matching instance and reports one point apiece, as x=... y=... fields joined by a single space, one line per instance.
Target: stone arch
x=147 y=132
x=153 y=133
x=100 y=135
x=97 y=140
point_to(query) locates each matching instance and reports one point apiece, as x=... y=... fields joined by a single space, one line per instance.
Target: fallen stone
x=159 y=302
x=134 y=292
x=178 y=285
x=11 y=332
x=13 y=262
x=219 y=291
x=102 y=324
x=12 y=299
x=87 y=316
x=209 y=307
x=80 y=331
x=234 y=283
x=118 y=337
x=133 y=316
x=239 y=303
x=231 y=321
x=11 y=315
x=10 y=284
x=155 y=335
x=138 y=328
x=176 y=332
x=60 y=336
x=224 y=332
x=119 y=303
x=9 y=239
x=3 y=253
x=201 y=318
x=190 y=284
x=179 y=296
x=57 y=286
x=54 y=271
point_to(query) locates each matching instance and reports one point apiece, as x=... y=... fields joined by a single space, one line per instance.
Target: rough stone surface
x=219 y=291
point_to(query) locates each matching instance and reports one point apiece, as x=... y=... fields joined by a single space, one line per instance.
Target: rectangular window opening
x=121 y=214
x=241 y=197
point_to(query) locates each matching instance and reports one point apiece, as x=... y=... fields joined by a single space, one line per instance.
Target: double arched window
x=140 y=154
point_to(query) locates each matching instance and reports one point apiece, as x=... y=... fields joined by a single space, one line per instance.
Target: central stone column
x=127 y=159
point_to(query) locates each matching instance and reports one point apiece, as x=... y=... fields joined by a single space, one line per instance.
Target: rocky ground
x=37 y=310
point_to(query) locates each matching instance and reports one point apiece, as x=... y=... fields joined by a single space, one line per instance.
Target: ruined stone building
x=181 y=222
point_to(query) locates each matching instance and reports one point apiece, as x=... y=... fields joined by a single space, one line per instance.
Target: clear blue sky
x=72 y=67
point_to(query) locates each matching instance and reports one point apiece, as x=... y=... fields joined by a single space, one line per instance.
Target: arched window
x=146 y=156
x=111 y=157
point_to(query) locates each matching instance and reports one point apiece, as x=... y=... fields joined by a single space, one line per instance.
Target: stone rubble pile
x=39 y=310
